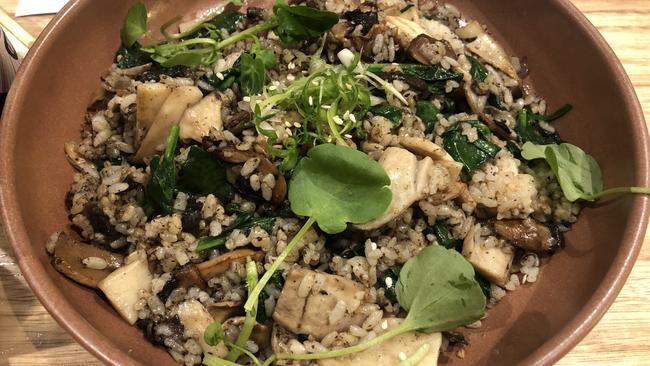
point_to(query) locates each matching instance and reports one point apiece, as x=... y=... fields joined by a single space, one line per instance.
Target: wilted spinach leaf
x=477 y=70
x=131 y=57
x=471 y=154
x=201 y=174
x=393 y=274
x=428 y=113
x=392 y=113
x=244 y=221
x=440 y=230
x=529 y=129
x=159 y=192
x=228 y=20
x=300 y=23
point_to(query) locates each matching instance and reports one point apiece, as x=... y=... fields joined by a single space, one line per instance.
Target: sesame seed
x=297 y=125
x=325 y=106
x=289 y=132
x=291 y=66
x=291 y=77
x=246 y=99
x=402 y=356
x=348 y=86
x=311 y=100
x=338 y=120
x=389 y=282
x=347 y=136
x=272 y=87
x=219 y=76
x=346 y=114
x=287 y=123
x=384 y=324
x=314 y=82
x=353 y=118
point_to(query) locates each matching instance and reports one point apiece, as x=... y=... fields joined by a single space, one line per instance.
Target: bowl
x=535 y=325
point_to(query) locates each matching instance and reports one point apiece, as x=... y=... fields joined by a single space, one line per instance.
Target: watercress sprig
x=436 y=288
x=333 y=185
x=577 y=172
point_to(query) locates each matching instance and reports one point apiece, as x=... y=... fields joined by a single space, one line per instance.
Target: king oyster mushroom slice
x=195 y=318
x=316 y=303
x=388 y=353
x=221 y=264
x=224 y=310
x=529 y=234
x=410 y=25
x=493 y=262
x=69 y=257
x=489 y=50
x=149 y=98
x=199 y=119
x=411 y=180
x=168 y=115
x=125 y=286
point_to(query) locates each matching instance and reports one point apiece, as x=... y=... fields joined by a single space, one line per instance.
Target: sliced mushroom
x=221 y=264
x=124 y=286
x=224 y=310
x=80 y=163
x=230 y=154
x=424 y=147
x=195 y=318
x=471 y=30
x=185 y=277
x=407 y=30
x=489 y=50
x=423 y=49
x=150 y=97
x=317 y=304
x=265 y=167
x=70 y=253
x=168 y=115
x=477 y=105
x=199 y=119
x=261 y=333
x=492 y=262
x=391 y=352
x=529 y=234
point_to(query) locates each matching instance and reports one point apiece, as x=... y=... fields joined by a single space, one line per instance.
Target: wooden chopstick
x=17 y=35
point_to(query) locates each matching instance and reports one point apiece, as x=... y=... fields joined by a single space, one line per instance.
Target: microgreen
x=301 y=23
x=578 y=173
x=135 y=24
x=251 y=314
x=437 y=289
x=214 y=334
x=333 y=186
x=159 y=192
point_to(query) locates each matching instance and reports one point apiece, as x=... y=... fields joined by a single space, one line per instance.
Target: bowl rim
x=98 y=345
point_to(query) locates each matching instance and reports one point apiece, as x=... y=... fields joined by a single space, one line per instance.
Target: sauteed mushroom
x=529 y=234
x=221 y=264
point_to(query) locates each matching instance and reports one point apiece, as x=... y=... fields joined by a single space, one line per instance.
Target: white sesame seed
x=389 y=282
x=289 y=133
x=373 y=245
x=384 y=324
x=246 y=99
x=325 y=106
x=287 y=123
x=291 y=77
x=291 y=66
x=346 y=114
x=353 y=118
x=311 y=100
x=402 y=356
x=347 y=85
x=314 y=82
x=219 y=76
x=297 y=125
x=338 y=120
x=347 y=136
x=272 y=87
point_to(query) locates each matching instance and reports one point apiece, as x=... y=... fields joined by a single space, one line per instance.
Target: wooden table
x=29 y=336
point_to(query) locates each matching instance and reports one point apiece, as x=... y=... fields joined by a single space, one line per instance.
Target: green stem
x=212 y=360
x=639 y=190
x=415 y=358
x=254 y=295
x=332 y=125
x=172 y=139
x=251 y=315
x=246 y=352
x=402 y=328
x=269 y=24
x=269 y=360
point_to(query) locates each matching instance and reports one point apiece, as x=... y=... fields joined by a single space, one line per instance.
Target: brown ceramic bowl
x=536 y=325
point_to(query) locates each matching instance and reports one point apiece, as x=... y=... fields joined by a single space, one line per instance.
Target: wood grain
x=29 y=336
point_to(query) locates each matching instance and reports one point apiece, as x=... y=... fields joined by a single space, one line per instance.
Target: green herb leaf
x=528 y=129
x=244 y=221
x=477 y=70
x=201 y=174
x=300 y=23
x=393 y=274
x=214 y=333
x=337 y=185
x=135 y=24
x=253 y=74
x=440 y=230
x=429 y=73
x=428 y=113
x=392 y=113
x=577 y=172
x=180 y=58
x=128 y=57
x=555 y=115
x=471 y=154
x=228 y=20
x=438 y=290
x=267 y=56
x=159 y=192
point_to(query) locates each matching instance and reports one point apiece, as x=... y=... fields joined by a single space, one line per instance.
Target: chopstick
x=17 y=35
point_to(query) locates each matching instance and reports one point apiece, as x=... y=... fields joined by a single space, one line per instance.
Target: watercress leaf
x=159 y=192
x=253 y=74
x=577 y=172
x=300 y=23
x=267 y=56
x=201 y=174
x=428 y=113
x=214 y=333
x=336 y=185
x=135 y=24
x=392 y=113
x=438 y=289
x=477 y=70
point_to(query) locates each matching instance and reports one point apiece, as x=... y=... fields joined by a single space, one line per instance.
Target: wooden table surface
x=29 y=336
